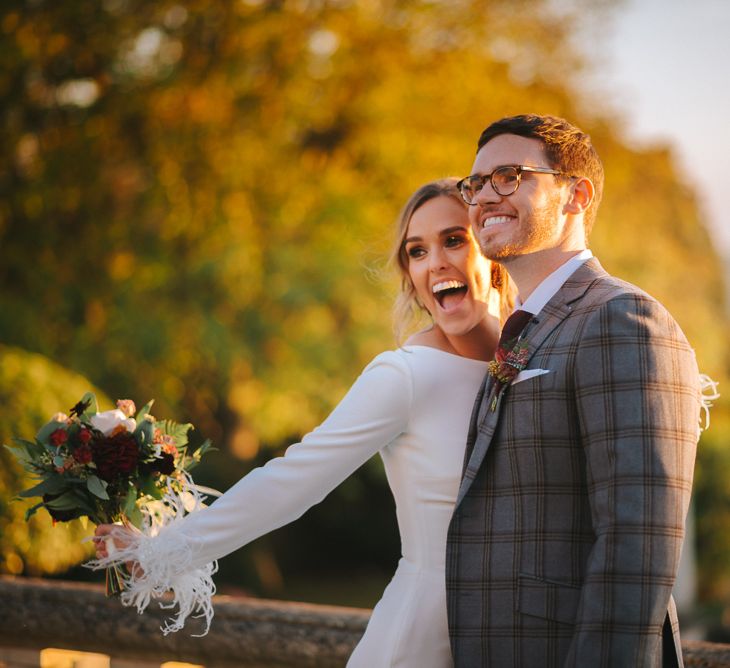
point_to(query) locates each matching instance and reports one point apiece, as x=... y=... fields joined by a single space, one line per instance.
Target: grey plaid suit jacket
x=565 y=540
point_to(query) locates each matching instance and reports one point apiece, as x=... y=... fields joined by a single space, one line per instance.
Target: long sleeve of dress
x=179 y=558
x=369 y=417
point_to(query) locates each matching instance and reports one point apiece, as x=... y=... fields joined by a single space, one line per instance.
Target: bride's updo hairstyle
x=408 y=311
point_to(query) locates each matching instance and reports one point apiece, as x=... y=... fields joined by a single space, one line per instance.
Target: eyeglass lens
x=504 y=181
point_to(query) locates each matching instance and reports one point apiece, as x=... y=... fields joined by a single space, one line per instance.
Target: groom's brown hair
x=568 y=148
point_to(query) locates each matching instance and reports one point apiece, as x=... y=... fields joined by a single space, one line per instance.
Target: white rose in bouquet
x=107 y=421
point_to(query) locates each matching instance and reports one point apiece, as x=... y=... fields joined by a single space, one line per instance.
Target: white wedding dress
x=412 y=406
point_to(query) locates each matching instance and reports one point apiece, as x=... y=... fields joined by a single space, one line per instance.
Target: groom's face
x=529 y=220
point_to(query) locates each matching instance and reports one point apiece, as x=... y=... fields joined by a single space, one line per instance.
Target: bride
x=411 y=405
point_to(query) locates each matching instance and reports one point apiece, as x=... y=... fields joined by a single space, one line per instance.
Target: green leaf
x=130 y=502
x=97 y=487
x=52 y=485
x=178 y=431
x=21 y=454
x=145 y=432
x=130 y=510
x=148 y=486
x=67 y=501
x=135 y=517
x=74 y=499
x=32 y=447
x=32 y=511
x=192 y=461
x=206 y=446
x=58 y=461
x=144 y=411
x=92 y=408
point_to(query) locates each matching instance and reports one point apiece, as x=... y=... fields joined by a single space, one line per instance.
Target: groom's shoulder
x=608 y=294
x=608 y=287
x=603 y=287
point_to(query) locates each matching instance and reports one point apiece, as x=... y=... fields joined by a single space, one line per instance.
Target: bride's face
x=450 y=276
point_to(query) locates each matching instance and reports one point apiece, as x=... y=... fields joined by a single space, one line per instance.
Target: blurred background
x=197 y=200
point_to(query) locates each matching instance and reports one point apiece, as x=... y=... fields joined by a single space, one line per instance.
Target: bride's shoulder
x=430 y=337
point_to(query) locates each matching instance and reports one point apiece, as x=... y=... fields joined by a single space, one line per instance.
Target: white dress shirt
x=542 y=295
x=544 y=292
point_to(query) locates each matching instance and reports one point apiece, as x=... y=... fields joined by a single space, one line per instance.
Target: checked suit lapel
x=484 y=421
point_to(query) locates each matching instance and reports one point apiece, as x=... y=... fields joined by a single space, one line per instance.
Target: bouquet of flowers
x=110 y=467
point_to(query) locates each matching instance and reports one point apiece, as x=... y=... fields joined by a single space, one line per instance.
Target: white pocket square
x=527 y=374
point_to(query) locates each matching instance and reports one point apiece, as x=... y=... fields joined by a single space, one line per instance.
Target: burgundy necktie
x=513 y=327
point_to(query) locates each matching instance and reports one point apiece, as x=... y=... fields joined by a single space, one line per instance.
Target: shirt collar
x=544 y=292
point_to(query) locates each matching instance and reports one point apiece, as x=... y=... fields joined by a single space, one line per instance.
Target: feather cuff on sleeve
x=164 y=555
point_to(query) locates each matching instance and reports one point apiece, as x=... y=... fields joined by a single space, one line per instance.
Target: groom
x=565 y=541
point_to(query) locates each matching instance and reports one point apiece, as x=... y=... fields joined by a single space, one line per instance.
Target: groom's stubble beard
x=533 y=233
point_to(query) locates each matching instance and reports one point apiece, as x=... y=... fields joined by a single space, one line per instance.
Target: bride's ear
x=581 y=196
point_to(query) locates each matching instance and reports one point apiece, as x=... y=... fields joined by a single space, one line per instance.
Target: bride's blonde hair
x=408 y=312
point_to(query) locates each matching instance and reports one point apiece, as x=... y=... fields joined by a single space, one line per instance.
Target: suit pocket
x=528 y=374
x=529 y=382
x=548 y=599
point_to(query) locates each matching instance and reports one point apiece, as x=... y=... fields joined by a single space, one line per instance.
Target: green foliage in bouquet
x=105 y=466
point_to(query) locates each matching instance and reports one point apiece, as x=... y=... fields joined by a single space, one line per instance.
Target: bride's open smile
x=449 y=274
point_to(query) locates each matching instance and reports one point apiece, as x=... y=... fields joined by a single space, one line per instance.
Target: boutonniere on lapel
x=507 y=363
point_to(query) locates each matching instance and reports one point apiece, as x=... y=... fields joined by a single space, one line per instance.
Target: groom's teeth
x=495 y=220
x=447 y=285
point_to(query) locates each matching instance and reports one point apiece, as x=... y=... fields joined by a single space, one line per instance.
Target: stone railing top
x=49 y=613
x=245 y=632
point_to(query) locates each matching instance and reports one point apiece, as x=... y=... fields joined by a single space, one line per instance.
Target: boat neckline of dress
x=444 y=352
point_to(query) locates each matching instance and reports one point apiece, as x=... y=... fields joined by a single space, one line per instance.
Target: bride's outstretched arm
x=371 y=415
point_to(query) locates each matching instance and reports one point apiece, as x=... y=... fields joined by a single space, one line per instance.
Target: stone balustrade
x=250 y=633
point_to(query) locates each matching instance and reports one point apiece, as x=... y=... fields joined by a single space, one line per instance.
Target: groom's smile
x=491 y=220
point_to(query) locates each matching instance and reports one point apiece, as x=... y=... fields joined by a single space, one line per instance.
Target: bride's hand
x=111 y=537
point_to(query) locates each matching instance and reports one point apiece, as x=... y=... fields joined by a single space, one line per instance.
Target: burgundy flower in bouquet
x=115 y=456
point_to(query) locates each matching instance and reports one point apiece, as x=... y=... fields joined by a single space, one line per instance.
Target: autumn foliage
x=196 y=197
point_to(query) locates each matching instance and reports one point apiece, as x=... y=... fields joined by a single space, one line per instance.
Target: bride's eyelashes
x=455 y=240
x=414 y=252
x=452 y=241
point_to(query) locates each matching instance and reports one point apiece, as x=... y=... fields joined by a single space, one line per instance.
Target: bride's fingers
x=112 y=535
x=105 y=529
x=100 y=546
x=134 y=569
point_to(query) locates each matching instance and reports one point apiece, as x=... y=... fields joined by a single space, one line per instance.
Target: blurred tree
x=197 y=195
x=32 y=389
x=195 y=187
x=712 y=507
